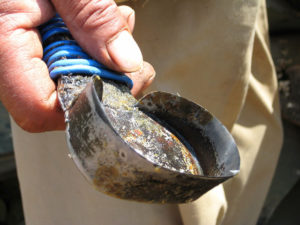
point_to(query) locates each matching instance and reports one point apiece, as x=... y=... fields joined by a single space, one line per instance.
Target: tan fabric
x=213 y=52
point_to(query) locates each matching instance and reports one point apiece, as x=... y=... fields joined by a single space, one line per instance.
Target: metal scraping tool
x=162 y=148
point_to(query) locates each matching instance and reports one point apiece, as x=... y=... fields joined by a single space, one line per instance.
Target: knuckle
x=32 y=125
x=15 y=14
x=102 y=14
x=35 y=121
x=6 y=15
x=41 y=121
x=24 y=13
x=126 y=9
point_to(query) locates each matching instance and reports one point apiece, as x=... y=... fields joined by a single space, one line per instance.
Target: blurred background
x=282 y=205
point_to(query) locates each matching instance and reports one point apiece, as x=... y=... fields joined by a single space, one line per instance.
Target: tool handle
x=64 y=57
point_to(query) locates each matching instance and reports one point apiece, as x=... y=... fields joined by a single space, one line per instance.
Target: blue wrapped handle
x=66 y=57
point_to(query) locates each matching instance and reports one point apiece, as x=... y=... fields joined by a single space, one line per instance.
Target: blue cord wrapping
x=66 y=57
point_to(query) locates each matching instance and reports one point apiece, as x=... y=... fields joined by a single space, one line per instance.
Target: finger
x=129 y=15
x=142 y=79
x=100 y=28
x=25 y=87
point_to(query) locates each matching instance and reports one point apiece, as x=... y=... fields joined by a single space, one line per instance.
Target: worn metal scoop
x=162 y=148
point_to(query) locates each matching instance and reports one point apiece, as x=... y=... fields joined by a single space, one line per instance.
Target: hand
x=101 y=27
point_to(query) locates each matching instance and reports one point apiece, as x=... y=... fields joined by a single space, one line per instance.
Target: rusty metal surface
x=162 y=149
x=69 y=88
x=145 y=135
x=213 y=145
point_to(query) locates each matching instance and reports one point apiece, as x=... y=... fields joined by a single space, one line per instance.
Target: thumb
x=99 y=27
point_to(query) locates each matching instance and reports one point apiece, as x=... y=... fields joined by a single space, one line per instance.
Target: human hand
x=99 y=26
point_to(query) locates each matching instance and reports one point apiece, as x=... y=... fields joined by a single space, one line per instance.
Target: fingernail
x=125 y=52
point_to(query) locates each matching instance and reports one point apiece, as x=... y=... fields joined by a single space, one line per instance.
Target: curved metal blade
x=162 y=148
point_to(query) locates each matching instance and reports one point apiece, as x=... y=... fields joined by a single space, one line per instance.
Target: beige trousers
x=214 y=52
